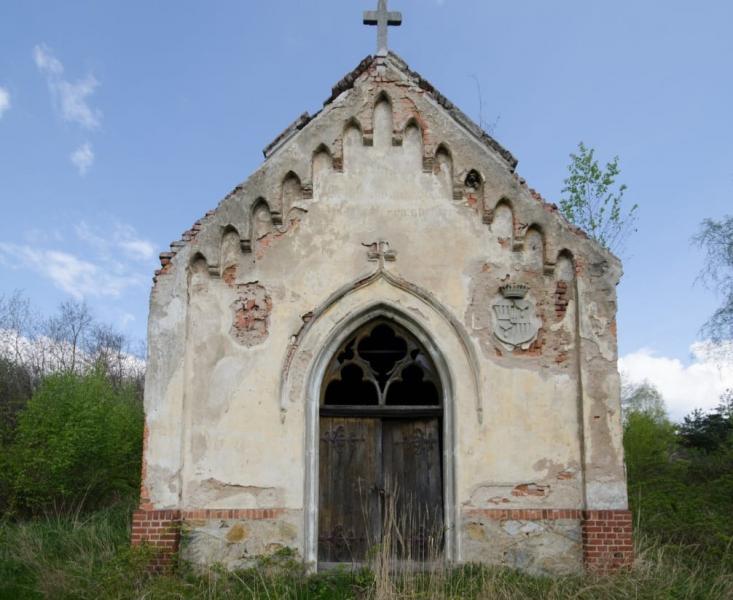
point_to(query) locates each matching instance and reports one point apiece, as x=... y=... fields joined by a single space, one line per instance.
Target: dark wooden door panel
x=349 y=473
x=413 y=484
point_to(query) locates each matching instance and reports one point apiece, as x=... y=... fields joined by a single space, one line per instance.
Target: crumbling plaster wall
x=384 y=161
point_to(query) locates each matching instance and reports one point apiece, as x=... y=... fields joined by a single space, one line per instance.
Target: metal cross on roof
x=382 y=18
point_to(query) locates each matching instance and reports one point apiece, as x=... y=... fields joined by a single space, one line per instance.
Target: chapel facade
x=384 y=320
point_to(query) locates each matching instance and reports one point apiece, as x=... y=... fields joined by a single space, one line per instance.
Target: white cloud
x=121 y=240
x=4 y=101
x=683 y=387
x=70 y=273
x=126 y=238
x=47 y=62
x=70 y=98
x=83 y=158
x=86 y=234
x=138 y=249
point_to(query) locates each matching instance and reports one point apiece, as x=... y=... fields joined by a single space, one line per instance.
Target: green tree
x=725 y=407
x=710 y=431
x=643 y=398
x=78 y=442
x=715 y=237
x=648 y=443
x=592 y=201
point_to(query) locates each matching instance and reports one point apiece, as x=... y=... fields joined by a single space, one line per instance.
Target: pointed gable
x=482 y=172
x=385 y=242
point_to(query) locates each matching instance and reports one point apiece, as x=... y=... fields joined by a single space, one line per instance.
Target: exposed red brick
x=230 y=275
x=529 y=489
x=607 y=540
x=160 y=530
x=561 y=299
x=251 y=314
x=525 y=514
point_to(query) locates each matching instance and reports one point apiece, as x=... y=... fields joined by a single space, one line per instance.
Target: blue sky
x=122 y=123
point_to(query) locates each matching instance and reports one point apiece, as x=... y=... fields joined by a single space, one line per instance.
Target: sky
x=121 y=123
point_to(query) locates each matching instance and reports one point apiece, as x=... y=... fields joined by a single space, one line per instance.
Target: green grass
x=90 y=558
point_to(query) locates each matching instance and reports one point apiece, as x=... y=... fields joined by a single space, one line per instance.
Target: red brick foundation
x=607 y=540
x=161 y=530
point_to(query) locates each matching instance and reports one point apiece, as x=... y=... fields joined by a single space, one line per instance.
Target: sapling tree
x=594 y=202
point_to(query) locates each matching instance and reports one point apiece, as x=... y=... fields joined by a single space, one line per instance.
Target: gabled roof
x=504 y=159
x=347 y=82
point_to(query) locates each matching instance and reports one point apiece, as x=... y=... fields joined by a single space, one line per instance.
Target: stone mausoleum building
x=384 y=319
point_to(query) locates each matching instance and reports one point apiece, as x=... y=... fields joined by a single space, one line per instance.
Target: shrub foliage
x=77 y=443
x=681 y=479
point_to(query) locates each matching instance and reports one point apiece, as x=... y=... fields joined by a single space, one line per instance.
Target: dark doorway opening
x=380 y=449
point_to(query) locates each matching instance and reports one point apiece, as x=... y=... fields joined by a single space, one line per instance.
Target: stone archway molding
x=297 y=343
x=338 y=319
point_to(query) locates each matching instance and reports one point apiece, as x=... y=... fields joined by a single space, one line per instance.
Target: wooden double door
x=381 y=483
x=380 y=450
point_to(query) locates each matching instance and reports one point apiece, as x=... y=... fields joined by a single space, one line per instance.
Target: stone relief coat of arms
x=515 y=320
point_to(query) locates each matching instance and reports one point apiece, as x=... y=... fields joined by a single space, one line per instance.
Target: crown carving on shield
x=514 y=290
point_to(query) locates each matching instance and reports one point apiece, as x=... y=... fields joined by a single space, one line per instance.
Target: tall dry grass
x=399 y=572
x=90 y=558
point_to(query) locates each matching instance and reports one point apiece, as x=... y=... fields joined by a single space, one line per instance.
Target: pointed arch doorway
x=380 y=448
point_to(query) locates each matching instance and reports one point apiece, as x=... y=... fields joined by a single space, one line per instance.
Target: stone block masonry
x=164 y=530
x=607 y=545
x=599 y=540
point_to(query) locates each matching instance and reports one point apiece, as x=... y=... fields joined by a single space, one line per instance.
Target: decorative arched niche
x=331 y=326
x=383 y=122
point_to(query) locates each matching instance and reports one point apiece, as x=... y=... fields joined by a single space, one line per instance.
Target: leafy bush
x=681 y=480
x=77 y=443
x=648 y=443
